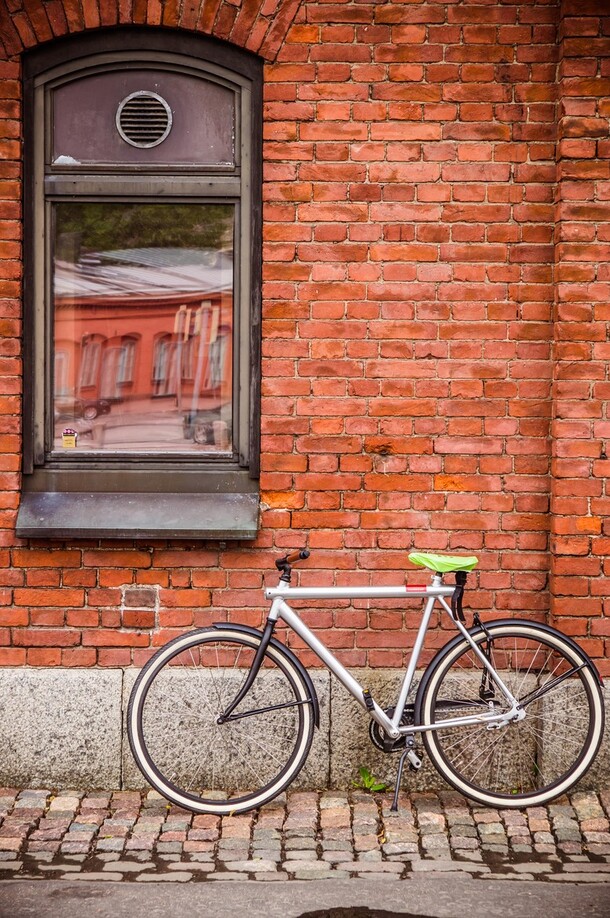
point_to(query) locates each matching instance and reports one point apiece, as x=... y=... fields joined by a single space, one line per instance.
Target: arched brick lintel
x=259 y=26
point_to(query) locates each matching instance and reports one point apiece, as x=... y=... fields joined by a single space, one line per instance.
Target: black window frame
x=142 y=496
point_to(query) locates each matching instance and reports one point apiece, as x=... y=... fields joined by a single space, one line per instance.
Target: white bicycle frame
x=436 y=592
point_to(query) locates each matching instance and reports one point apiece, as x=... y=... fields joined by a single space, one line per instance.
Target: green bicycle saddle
x=443 y=564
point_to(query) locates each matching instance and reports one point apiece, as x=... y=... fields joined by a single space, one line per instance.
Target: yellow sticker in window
x=69 y=438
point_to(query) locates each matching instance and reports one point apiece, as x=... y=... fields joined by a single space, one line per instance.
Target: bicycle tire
x=214 y=768
x=527 y=762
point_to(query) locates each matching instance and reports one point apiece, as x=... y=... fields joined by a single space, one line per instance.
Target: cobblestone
x=126 y=836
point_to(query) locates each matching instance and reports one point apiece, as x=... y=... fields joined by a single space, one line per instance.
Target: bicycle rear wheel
x=527 y=762
x=189 y=757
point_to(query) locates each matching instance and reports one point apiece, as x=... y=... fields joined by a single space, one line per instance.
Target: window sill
x=132 y=515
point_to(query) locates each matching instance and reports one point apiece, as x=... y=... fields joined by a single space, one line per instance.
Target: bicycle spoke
x=558 y=742
x=528 y=671
x=261 y=744
x=243 y=757
x=474 y=738
x=486 y=753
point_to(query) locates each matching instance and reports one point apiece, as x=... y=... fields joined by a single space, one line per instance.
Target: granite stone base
x=60 y=727
x=65 y=729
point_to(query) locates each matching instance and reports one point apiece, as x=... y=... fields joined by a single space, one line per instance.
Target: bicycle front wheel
x=527 y=762
x=189 y=757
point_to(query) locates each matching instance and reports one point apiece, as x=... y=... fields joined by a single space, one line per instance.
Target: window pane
x=142 y=328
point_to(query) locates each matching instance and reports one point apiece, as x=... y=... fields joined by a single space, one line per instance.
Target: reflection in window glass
x=89 y=361
x=126 y=352
x=143 y=327
x=61 y=371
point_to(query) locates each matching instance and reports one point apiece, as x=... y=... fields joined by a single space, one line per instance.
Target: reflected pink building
x=143 y=349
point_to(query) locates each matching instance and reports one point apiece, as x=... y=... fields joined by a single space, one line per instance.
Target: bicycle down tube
x=436 y=591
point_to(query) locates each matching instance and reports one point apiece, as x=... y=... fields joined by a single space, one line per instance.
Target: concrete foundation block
x=66 y=728
x=598 y=775
x=60 y=727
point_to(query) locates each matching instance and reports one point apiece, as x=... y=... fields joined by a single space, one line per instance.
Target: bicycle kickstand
x=414 y=762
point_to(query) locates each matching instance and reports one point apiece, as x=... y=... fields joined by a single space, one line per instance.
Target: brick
x=114 y=639
x=132 y=618
x=40 y=637
x=48 y=597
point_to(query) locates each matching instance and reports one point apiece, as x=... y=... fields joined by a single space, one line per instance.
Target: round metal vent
x=144 y=119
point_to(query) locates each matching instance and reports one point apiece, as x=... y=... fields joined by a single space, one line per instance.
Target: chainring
x=384 y=742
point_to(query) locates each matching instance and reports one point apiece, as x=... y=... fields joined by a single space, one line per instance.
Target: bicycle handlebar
x=292 y=558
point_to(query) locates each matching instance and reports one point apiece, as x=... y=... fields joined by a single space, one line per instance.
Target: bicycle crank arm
x=414 y=760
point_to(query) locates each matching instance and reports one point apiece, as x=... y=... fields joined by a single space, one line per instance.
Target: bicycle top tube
x=436 y=588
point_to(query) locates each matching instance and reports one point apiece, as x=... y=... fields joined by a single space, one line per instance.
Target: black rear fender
x=493 y=624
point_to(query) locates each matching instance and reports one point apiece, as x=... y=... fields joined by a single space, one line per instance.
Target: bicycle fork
x=284 y=566
x=253 y=673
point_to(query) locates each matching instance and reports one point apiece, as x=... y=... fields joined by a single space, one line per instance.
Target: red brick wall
x=581 y=427
x=415 y=208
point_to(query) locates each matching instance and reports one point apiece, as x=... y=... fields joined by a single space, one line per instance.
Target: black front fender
x=294 y=660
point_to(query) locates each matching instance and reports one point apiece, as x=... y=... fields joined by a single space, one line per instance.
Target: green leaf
x=369 y=782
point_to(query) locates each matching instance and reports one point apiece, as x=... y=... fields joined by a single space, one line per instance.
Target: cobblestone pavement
x=128 y=836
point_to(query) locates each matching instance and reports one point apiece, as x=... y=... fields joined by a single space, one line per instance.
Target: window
x=143 y=243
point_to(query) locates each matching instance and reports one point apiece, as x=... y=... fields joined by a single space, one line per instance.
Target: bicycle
x=511 y=714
